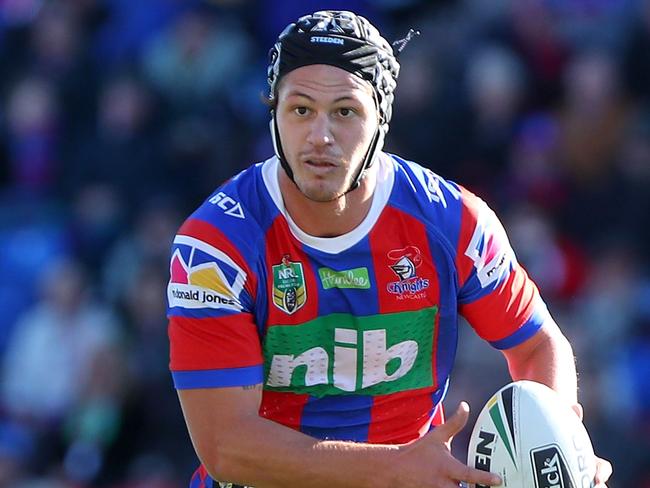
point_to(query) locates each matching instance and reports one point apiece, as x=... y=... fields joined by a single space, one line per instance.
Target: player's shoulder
x=235 y=216
x=432 y=191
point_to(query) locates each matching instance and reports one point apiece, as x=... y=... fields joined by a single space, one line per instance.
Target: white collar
x=333 y=245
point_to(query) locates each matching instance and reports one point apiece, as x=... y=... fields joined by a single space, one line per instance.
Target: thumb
x=454 y=424
x=577 y=408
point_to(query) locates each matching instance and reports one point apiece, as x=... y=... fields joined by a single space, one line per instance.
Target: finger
x=464 y=473
x=448 y=484
x=577 y=408
x=454 y=424
x=603 y=471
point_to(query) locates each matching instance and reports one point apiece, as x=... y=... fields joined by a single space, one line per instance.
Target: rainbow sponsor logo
x=203 y=276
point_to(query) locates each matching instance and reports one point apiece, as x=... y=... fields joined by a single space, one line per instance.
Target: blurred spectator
x=152 y=401
x=97 y=219
x=496 y=85
x=61 y=360
x=496 y=89
x=32 y=137
x=533 y=174
x=417 y=118
x=633 y=178
x=592 y=121
x=199 y=57
x=18 y=12
x=148 y=245
x=609 y=306
x=31 y=237
x=557 y=266
x=17 y=445
x=593 y=117
x=56 y=50
x=636 y=53
x=128 y=26
x=201 y=153
x=592 y=22
x=118 y=152
x=49 y=359
x=532 y=31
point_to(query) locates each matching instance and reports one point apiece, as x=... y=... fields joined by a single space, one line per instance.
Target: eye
x=301 y=110
x=346 y=112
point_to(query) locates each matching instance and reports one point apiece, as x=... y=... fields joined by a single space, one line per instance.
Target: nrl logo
x=289 y=290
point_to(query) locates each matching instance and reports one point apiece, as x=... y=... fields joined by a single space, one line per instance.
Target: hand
x=428 y=463
x=603 y=467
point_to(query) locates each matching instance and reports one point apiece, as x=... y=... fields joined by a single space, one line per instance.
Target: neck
x=328 y=219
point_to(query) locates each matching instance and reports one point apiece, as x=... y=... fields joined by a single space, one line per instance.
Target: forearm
x=549 y=360
x=235 y=444
x=262 y=453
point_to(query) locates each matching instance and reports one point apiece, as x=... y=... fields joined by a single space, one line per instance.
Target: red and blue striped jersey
x=353 y=337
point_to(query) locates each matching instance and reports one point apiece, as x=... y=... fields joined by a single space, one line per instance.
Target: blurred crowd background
x=119 y=117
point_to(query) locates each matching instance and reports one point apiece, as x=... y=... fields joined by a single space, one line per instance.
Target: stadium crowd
x=119 y=117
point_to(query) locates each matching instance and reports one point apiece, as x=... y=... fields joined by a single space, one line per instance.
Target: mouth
x=320 y=168
x=320 y=163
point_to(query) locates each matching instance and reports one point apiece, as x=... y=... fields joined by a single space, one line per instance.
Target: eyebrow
x=296 y=93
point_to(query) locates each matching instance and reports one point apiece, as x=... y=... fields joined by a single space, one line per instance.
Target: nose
x=320 y=133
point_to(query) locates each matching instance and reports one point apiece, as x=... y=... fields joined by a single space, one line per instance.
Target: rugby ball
x=532 y=438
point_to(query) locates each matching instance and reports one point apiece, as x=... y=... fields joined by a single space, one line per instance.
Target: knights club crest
x=289 y=290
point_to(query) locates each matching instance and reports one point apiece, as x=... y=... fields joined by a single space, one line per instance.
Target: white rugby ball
x=532 y=438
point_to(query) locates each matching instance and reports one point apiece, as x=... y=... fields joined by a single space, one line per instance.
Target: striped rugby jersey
x=353 y=337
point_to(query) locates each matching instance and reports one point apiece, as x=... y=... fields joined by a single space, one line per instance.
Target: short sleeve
x=212 y=332
x=496 y=295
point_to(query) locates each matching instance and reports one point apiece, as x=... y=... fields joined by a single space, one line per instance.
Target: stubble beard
x=319 y=192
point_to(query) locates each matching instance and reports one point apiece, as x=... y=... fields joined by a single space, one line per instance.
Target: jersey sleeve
x=496 y=295
x=211 y=294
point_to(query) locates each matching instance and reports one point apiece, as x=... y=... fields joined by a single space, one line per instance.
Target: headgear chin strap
x=376 y=143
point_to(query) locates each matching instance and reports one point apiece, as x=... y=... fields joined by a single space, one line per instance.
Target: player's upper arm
x=215 y=351
x=214 y=339
x=549 y=336
x=496 y=295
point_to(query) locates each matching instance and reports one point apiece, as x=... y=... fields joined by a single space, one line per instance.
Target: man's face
x=326 y=117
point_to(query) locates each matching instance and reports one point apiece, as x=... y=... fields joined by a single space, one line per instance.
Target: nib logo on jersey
x=202 y=276
x=405 y=264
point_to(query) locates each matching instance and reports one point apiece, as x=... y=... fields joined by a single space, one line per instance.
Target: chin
x=319 y=193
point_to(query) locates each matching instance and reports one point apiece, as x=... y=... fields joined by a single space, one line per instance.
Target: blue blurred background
x=118 y=117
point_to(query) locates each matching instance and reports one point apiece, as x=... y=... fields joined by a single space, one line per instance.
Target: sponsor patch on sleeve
x=489 y=248
x=203 y=276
